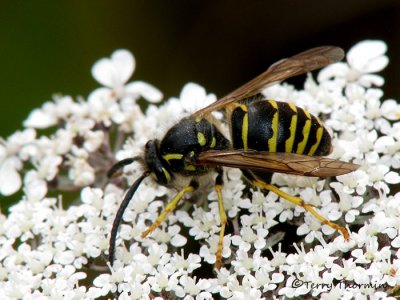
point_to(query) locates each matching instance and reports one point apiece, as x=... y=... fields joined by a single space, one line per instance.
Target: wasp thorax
x=156 y=164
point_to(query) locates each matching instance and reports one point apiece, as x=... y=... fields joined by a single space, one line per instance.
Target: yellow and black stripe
x=278 y=127
x=185 y=140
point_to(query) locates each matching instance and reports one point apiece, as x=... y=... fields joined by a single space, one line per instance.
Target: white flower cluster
x=55 y=246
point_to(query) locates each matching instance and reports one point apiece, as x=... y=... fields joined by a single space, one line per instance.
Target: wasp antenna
x=117 y=166
x=120 y=213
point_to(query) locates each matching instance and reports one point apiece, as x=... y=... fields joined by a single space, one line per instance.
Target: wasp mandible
x=266 y=136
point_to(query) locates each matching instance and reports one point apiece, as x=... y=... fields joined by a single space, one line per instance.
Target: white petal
x=382 y=143
x=396 y=242
x=391 y=110
x=371 y=157
x=392 y=177
x=377 y=64
x=39 y=119
x=354 y=92
x=302 y=229
x=116 y=71
x=65 y=257
x=22 y=137
x=3 y=152
x=368 y=56
x=277 y=277
x=335 y=70
x=369 y=80
x=193 y=92
x=91 y=195
x=99 y=95
x=124 y=62
x=36 y=190
x=147 y=91
x=93 y=140
x=103 y=72
x=334 y=215
x=178 y=240
x=10 y=180
x=194 y=97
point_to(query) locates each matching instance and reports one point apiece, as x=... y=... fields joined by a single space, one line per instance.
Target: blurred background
x=48 y=47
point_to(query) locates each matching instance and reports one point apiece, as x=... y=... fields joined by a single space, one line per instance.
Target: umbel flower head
x=54 y=241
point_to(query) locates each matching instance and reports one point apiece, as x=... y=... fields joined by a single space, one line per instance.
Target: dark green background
x=49 y=47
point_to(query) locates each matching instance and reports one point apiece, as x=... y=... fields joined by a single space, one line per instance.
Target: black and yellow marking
x=190 y=168
x=167 y=175
x=305 y=133
x=172 y=156
x=240 y=127
x=245 y=126
x=213 y=142
x=187 y=138
x=314 y=147
x=277 y=127
x=201 y=139
x=273 y=140
x=292 y=129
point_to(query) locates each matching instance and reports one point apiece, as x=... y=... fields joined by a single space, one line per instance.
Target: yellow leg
x=300 y=202
x=170 y=207
x=224 y=220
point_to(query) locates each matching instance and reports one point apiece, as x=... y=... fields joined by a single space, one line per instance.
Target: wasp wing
x=277 y=162
x=301 y=63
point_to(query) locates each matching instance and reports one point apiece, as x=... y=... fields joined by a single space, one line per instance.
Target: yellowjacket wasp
x=266 y=136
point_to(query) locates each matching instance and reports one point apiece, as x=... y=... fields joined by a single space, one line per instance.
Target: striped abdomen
x=278 y=127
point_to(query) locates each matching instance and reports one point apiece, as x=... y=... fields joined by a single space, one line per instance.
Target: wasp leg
x=218 y=188
x=171 y=207
x=300 y=202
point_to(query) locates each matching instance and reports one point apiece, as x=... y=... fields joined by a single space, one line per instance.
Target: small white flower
x=184 y=265
x=194 y=97
x=391 y=110
x=249 y=238
x=364 y=58
x=372 y=252
x=12 y=152
x=202 y=223
x=246 y=263
x=35 y=187
x=209 y=251
x=10 y=180
x=355 y=181
x=114 y=72
x=189 y=286
x=368 y=56
x=311 y=228
x=51 y=112
x=279 y=257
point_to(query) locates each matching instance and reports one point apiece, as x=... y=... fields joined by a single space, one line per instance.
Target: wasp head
x=156 y=164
